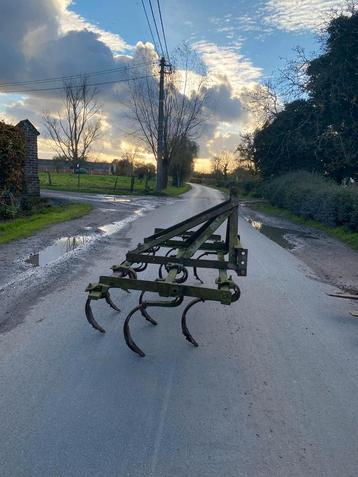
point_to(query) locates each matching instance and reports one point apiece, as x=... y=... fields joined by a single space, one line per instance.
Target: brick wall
x=32 y=183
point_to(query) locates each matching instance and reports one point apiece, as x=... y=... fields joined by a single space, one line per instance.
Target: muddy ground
x=331 y=261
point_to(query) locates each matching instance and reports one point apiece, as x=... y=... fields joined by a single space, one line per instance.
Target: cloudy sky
x=242 y=42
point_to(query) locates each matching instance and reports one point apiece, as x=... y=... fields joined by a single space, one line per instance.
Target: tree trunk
x=159 y=185
x=165 y=175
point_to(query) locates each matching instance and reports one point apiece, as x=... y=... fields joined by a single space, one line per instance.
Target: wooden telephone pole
x=161 y=166
x=160 y=144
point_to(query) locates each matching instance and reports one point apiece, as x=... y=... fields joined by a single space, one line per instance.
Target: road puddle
x=286 y=238
x=59 y=248
x=64 y=246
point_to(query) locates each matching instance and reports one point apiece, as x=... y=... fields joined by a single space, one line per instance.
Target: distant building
x=48 y=165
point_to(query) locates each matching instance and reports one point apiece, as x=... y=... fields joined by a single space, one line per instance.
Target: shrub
x=12 y=159
x=247 y=182
x=313 y=196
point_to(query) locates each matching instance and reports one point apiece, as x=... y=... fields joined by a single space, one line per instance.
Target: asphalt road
x=271 y=391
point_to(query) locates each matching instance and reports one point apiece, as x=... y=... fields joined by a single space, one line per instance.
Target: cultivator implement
x=184 y=240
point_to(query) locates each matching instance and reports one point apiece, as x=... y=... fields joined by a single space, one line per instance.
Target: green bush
x=312 y=196
x=12 y=159
x=247 y=182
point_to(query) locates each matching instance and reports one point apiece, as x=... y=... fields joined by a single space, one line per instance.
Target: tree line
x=317 y=130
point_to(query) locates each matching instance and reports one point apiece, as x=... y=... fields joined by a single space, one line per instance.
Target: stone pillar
x=32 y=183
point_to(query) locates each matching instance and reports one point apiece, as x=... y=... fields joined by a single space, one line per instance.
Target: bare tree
x=125 y=165
x=224 y=164
x=77 y=126
x=293 y=75
x=185 y=95
x=263 y=102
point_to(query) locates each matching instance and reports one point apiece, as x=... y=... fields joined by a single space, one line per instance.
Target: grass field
x=340 y=233
x=103 y=184
x=28 y=225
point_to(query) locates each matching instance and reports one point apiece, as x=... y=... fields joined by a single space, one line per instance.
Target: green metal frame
x=230 y=255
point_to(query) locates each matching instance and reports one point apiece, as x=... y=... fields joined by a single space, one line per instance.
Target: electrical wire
x=61 y=78
x=164 y=36
x=156 y=27
x=150 y=28
x=92 y=84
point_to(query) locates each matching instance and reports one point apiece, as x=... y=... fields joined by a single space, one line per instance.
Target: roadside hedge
x=12 y=158
x=314 y=197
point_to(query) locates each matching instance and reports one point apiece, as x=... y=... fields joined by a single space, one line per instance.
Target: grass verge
x=341 y=233
x=175 y=191
x=97 y=184
x=26 y=226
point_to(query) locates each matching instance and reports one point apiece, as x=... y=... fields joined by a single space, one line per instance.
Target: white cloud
x=43 y=39
x=72 y=21
x=230 y=75
x=228 y=63
x=300 y=15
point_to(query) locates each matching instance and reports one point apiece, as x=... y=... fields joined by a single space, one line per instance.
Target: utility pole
x=160 y=144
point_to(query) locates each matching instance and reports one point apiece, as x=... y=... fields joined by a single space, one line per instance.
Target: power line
x=92 y=84
x=156 y=27
x=61 y=78
x=150 y=28
x=164 y=36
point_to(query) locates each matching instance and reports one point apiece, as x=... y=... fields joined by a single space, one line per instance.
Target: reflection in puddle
x=113 y=198
x=65 y=245
x=57 y=249
x=287 y=238
x=109 y=229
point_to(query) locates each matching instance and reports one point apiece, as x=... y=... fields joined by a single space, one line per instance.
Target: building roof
x=26 y=124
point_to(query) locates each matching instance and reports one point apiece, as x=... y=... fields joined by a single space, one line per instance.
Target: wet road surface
x=271 y=391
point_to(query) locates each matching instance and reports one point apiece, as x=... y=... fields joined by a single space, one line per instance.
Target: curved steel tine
x=196 y=275
x=195 y=270
x=141 y=267
x=110 y=302
x=237 y=293
x=184 y=278
x=90 y=317
x=160 y=274
x=144 y=311
x=127 y=334
x=184 y=328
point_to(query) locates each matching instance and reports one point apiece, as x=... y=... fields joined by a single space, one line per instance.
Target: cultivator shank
x=183 y=240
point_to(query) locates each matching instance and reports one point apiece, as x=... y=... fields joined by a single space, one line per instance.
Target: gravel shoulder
x=331 y=261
